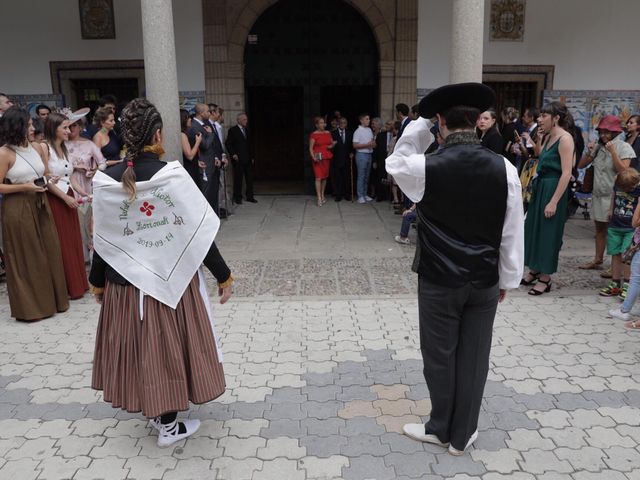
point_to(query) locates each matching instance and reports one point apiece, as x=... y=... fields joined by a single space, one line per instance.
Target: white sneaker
x=155 y=423
x=368 y=198
x=403 y=241
x=456 y=452
x=619 y=314
x=168 y=434
x=416 y=431
x=361 y=200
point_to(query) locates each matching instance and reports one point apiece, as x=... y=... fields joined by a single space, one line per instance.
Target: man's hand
x=217 y=163
x=207 y=129
x=502 y=296
x=235 y=157
x=201 y=164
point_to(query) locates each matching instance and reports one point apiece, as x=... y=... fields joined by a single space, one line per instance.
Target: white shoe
x=619 y=314
x=403 y=241
x=368 y=198
x=456 y=452
x=416 y=431
x=361 y=200
x=168 y=434
x=155 y=423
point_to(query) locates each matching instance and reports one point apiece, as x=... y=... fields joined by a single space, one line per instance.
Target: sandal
x=547 y=289
x=633 y=326
x=593 y=265
x=534 y=278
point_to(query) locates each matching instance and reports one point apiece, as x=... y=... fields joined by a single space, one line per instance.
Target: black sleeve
x=230 y=143
x=98 y=274
x=495 y=143
x=216 y=264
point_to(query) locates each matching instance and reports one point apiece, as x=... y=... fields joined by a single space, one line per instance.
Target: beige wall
x=592 y=44
x=226 y=24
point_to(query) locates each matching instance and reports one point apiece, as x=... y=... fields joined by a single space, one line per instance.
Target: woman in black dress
x=488 y=133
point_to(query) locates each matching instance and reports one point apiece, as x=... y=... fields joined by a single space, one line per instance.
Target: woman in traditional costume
x=155 y=347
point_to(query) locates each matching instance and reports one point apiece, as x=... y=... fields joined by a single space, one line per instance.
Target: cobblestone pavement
x=321 y=380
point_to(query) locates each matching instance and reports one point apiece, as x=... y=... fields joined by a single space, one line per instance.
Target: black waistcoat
x=461 y=214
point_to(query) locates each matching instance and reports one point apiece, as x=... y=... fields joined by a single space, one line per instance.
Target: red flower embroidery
x=147 y=209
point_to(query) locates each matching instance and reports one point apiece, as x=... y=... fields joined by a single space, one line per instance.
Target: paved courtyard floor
x=323 y=369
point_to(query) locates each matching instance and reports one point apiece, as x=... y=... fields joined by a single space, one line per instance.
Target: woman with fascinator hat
x=156 y=349
x=469 y=253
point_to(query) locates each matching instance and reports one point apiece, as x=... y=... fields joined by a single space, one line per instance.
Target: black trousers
x=242 y=171
x=456 y=325
x=339 y=179
x=211 y=188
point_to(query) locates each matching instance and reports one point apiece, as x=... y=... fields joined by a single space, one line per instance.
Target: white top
x=407 y=166
x=363 y=135
x=28 y=166
x=220 y=131
x=60 y=167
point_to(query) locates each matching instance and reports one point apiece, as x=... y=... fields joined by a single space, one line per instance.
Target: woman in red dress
x=320 y=145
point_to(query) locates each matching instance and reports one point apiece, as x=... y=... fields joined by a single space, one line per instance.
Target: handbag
x=628 y=254
x=587 y=181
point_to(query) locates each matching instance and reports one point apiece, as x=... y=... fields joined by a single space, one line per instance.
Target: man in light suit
x=239 y=149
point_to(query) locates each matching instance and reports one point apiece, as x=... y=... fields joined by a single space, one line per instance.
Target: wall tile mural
x=589 y=106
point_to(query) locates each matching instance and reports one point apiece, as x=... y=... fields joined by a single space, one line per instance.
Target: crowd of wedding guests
x=47 y=162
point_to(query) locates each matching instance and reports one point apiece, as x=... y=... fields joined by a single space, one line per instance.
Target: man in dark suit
x=239 y=149
x=379 y=156
x=209 y=154
x=402 y=115
x=341 y=163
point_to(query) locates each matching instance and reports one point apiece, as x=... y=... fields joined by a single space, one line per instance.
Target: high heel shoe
x=535 y=292
x=534 y=278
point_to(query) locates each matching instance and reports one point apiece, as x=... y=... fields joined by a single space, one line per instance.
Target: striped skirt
x=159 y=364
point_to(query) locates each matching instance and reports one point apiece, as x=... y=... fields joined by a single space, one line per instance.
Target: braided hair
x=140 y=122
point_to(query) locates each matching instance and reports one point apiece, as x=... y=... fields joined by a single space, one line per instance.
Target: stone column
x=161 y=72
x=467 y=31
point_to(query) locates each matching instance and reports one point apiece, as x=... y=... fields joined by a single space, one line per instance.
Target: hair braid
x=140 y=121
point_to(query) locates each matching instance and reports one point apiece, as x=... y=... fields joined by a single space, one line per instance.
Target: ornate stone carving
x=507 y=20
x=96 y=19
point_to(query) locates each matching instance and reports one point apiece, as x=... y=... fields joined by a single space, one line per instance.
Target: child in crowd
x=623 y=312
x=408 y=217
x=620 y=232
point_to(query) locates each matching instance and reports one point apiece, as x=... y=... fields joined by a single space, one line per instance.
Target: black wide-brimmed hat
x=468 y=94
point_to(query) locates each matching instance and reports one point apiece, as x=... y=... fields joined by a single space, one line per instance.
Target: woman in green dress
x=544 y=226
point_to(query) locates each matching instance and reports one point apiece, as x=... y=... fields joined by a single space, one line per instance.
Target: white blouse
x=60 y=167
x=407 y=166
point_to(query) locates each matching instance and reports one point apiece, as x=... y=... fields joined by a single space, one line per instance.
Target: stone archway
x=226 y=25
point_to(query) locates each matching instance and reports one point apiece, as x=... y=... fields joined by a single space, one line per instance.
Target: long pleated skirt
x=160 y=364
x=35 y=275
x=68 y=227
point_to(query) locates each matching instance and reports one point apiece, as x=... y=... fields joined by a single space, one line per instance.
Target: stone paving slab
x=340 y=412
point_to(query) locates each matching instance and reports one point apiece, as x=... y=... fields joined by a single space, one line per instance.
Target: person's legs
x=238 y=175
x=601 y=240
x=472 y=362
x=248 y=179
x=440 y=311
x=361 y=164
x=407 y=220
x=212 y=189
x=319 y=191
x=634 y=285
x=367 y=172
x=616 y=269
x=323 y=187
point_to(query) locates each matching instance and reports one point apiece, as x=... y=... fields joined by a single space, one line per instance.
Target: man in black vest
x=470 y=251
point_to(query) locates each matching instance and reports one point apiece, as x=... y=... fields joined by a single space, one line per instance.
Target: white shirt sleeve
x=406 y=163
x=511 y=264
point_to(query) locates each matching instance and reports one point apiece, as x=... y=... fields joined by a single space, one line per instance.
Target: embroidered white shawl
x=158 y=241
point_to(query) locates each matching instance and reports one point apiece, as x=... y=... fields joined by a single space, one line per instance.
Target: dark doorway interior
x=88 y=91
x=520 y=95
x=305 y=58
x=274 y=134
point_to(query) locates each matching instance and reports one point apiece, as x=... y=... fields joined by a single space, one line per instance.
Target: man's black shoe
x=252 y=200
x=238 y=201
